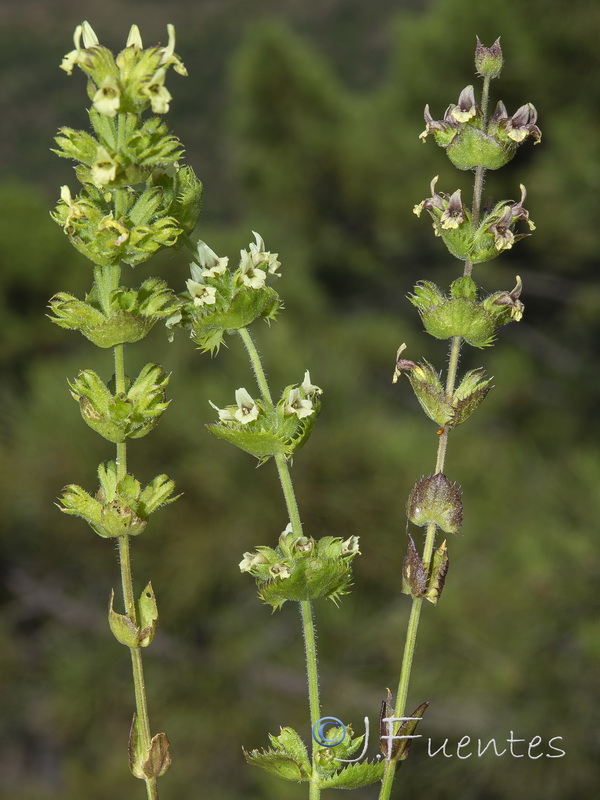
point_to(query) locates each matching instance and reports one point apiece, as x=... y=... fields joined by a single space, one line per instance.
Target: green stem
x=257 y=366
x=312 y=672
x=141 y=703
x=417 y=602
x=308 y=627
x=280 y=460
x=479 y=172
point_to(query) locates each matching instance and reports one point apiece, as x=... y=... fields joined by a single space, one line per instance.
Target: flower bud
x=488 y=60
x=435 y=500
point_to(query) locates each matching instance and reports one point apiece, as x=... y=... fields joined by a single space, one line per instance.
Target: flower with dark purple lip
x=454 y=214
x=511 y=301
x=451 y=220
x=443 y=130
x=518 y=127
x=455 y=116
x=467 y=108
x=470 y=141
x=502 y=223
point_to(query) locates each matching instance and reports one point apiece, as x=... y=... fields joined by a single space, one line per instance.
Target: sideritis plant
x=134 y=199
x=477 y=141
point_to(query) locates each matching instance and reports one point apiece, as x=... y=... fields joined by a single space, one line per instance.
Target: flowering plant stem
x=135 y=198
x=308 y=627
x=417 y=602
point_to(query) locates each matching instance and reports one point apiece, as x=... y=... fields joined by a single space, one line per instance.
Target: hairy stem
x=310 y=648
x=417 y=602
x=141 y=704
x=308 y=627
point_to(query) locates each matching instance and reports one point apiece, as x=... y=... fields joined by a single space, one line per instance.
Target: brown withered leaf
x=414 y=577
x=437 y=574
x=397 y=748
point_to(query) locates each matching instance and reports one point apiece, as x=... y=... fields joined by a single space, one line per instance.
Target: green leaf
x=261 y=443
x=288 y=757
x=354 y=776
x=137 y=752
x=147 y=615
x=156 y=494
x=123 y=628
x=208 y=326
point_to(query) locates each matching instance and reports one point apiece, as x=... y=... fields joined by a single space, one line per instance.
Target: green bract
x=106 y=161
x=220 y=300
x=436 y=500
x=130 y=414
x=461 y=314
x=302 y=568
x=263 y=431
x=128 y=632
x=447 y=410
x=287 y=757
x=119 y=507
x=452 y=221
x=144 y=225
x=472 y=141
x=131 y=312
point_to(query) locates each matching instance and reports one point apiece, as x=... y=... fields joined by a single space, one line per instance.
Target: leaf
x=288 y=757
x=437 y=576
x=123 y=628
x=261 y=444
x=147 y=762
x=400 y=747
x=136 y=750
x=158 y=758
x=354 y=776
x=413 y=571
x=148 y=616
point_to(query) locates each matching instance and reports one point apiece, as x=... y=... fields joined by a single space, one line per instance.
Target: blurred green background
x=302 y=120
